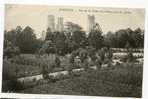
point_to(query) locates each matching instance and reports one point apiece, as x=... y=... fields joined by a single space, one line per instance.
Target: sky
x=109 y=19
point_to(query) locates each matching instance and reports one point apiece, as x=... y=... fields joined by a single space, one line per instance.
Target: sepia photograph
x=73 y=50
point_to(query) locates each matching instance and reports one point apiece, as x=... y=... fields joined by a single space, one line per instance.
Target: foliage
x=49 y=35
x=95 y=39
x=10 y=50
x=60 y=43
x=119 y=39
x=79 y=37
x=47 y=47
x=10 y=82
x=57 y=62
x=73 y=38
x=45 y=72
x=122 y=81
x=72 y=27
x=25 y=39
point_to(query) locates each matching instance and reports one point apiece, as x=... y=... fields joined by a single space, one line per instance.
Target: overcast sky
x=35 y=16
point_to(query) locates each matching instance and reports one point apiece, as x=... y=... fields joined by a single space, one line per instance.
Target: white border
x=96 y=3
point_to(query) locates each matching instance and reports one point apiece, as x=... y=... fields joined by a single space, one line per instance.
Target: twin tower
x=51 y=23
x=59 y=26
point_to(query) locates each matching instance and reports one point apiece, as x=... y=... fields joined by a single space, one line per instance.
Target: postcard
x=73 y=50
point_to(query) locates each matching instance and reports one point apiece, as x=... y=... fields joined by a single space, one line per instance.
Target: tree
x=119 y=39
x=139 y=37
x=70 y=67
x=75 y=37
x=110 y=40
x=95 y=38
x=130 y=38
x=10 y=50
x=72 y=27
x=122 y=38
x=79 y=37
x=60 y=43
x=48 y=47
x=27 y=40
x=127 y=46
x=92 y=53
x=101 y=53
x=57 y=61
x=83 y=54
x=45 y=72
x=11 y=36
x=9 y=78
x=98 y=62
x=49 y=35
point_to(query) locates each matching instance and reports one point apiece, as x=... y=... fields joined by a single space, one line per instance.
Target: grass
x=123 y=81
x=29 y=65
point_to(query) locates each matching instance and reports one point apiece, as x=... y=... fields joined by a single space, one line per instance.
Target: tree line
x=25 y=41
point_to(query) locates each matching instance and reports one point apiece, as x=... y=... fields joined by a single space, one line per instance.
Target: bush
x=11 y=85
x=122 y=81
x=45 y=72
x=10 y=82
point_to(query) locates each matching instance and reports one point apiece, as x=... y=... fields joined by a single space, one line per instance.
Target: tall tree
x=49 y=35
x=79 y=37
x=75 y=36
x=27 y=40
x=60 y=42
x=139 y=37
x=95 y=38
